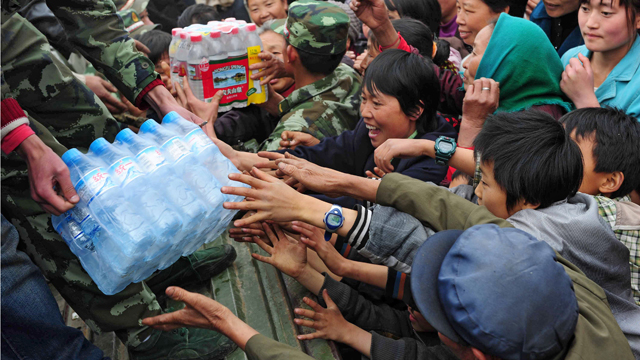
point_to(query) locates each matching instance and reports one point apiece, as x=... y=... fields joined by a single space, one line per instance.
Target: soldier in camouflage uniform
x=318 y=31
x=65 y=114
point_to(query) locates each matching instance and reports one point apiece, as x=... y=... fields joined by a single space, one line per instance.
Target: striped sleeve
x=358 y=235
x=399 y=287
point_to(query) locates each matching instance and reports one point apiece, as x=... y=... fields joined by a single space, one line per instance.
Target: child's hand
x=378 y=173
x=577 y=82
x=287 y=255
x=329 y=322
x=246 y=234
x=313 y=237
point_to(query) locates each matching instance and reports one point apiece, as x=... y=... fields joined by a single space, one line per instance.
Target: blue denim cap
x=498 y=290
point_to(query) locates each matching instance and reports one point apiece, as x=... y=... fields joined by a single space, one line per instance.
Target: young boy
x=531 y=171
x=608 y=139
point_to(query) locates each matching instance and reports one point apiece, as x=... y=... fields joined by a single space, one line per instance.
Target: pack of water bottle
x=145 y=200
x=217 y=57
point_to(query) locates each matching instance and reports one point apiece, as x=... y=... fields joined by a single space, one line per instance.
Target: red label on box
x=230 y=76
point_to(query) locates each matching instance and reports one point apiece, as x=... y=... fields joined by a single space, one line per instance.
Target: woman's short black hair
x=426 y=11
x=498 y=6
x=198 y=14
x=533 y=157
x=409 y=78
x=416 y=34
x=617 y=142
x=158 y=43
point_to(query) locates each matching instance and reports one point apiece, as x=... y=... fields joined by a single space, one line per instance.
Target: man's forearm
x=462 y=159
x=358 y=187
x=237 y=330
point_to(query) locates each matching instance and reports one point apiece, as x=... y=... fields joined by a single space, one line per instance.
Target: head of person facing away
x=514 y=301
x=608 y=139
x=276 y=45
x=517 y=54
x=316 y=34
x=528 y=161
x=399 y=96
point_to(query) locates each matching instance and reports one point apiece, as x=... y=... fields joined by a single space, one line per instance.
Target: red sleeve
x=140 y=103
x=401 y=46
x=15 y=126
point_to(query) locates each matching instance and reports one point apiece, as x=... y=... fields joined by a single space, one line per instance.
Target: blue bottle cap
x=125 y=135
x=148 y=126
x=99 y=146
x=171 y=117
x=71 y=156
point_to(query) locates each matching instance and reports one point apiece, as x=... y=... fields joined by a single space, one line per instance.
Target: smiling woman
x=473 y=15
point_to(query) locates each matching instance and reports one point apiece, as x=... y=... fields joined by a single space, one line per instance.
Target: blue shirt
x=621 y=89
x=540 y=17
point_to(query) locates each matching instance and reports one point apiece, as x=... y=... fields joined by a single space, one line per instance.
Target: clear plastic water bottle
x=216 y=47
x=181 y=195
x=158 y=212
x=132 y=236
x=173 y=49
x=197 y=60
x=186 y=165
x=182 y=53
x=235 y=43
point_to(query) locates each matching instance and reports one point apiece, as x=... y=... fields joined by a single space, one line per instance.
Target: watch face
x=445 y=147
x=333 y=220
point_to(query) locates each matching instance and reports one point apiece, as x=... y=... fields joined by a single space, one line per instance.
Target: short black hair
x=498 y=5
x=617 y=142
x=409 y=78
x=533 y=157
x=426 y=11
x=416 y=34
x=198 y=14
x=158 y=43
x=319 y=64
x=460 y=174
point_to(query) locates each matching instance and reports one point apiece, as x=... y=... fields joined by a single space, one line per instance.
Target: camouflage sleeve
x=293 y=121
x=98 y=33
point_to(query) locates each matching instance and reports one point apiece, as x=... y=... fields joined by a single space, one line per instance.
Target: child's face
x=604 y=26
x=591 y=180
x=275 y=44
x=494 y=197
x=264 y=10
x=418 y=322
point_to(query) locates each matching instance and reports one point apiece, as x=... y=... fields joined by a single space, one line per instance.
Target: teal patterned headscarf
x=521 y=58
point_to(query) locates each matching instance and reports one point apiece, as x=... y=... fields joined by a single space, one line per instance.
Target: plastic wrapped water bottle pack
x=145 y=200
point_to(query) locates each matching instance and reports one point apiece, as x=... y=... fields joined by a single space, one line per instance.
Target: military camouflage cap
x=133 y=24
x=316 y=27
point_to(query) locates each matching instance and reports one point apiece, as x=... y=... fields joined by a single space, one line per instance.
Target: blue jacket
x=351 y=152
x=540 y=17
x=621 y=89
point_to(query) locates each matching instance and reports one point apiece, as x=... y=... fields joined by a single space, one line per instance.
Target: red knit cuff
x=11 y=110
x=140 y=103
x=12 y=140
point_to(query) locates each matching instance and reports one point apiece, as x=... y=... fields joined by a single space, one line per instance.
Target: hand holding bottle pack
x=146 y=200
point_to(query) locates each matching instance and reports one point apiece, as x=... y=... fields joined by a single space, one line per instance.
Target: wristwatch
x=333 y=221
x=445 y=148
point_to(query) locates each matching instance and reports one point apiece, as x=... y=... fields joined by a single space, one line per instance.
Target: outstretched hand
x=313 y=177
x=291 y=139
x=287 y=255
x=206 y=111
x=373 y=13
x=271 y=67
x=329 y=323
x=311 y=236
x=396 y=148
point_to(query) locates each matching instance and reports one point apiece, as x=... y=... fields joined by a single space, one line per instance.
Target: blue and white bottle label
x=151 y=159
x=175 y=149
x=96 y=182
x=197 y=141
x=125 y=170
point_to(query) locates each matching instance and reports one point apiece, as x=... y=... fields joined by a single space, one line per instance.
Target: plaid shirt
x=630 y=237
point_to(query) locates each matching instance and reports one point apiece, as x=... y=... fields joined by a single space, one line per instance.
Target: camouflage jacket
x=325 y=108
x=97 y=32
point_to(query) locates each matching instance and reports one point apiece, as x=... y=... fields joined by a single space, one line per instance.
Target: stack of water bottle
x=145 y=200
x=217 y=57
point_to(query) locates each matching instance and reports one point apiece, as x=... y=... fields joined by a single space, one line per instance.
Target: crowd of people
x=452 y=179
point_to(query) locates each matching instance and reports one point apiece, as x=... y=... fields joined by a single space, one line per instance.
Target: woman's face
x=472 y=63
x=448 y=8
x=473 y=15
x=557 y=8
x=275 y=44
x=604 y=26
x=263 y=10
x=384 y=118
x=372 y=52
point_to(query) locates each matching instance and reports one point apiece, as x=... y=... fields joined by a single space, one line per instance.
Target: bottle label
x=151 y=159
x=197 y=141
x=175 y=149
x=92 y=185
x=256 y=93
x=229 y=75
x=182 y=69
x=125 y=170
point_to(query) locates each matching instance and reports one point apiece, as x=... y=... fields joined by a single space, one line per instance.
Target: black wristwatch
x=445 y=148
